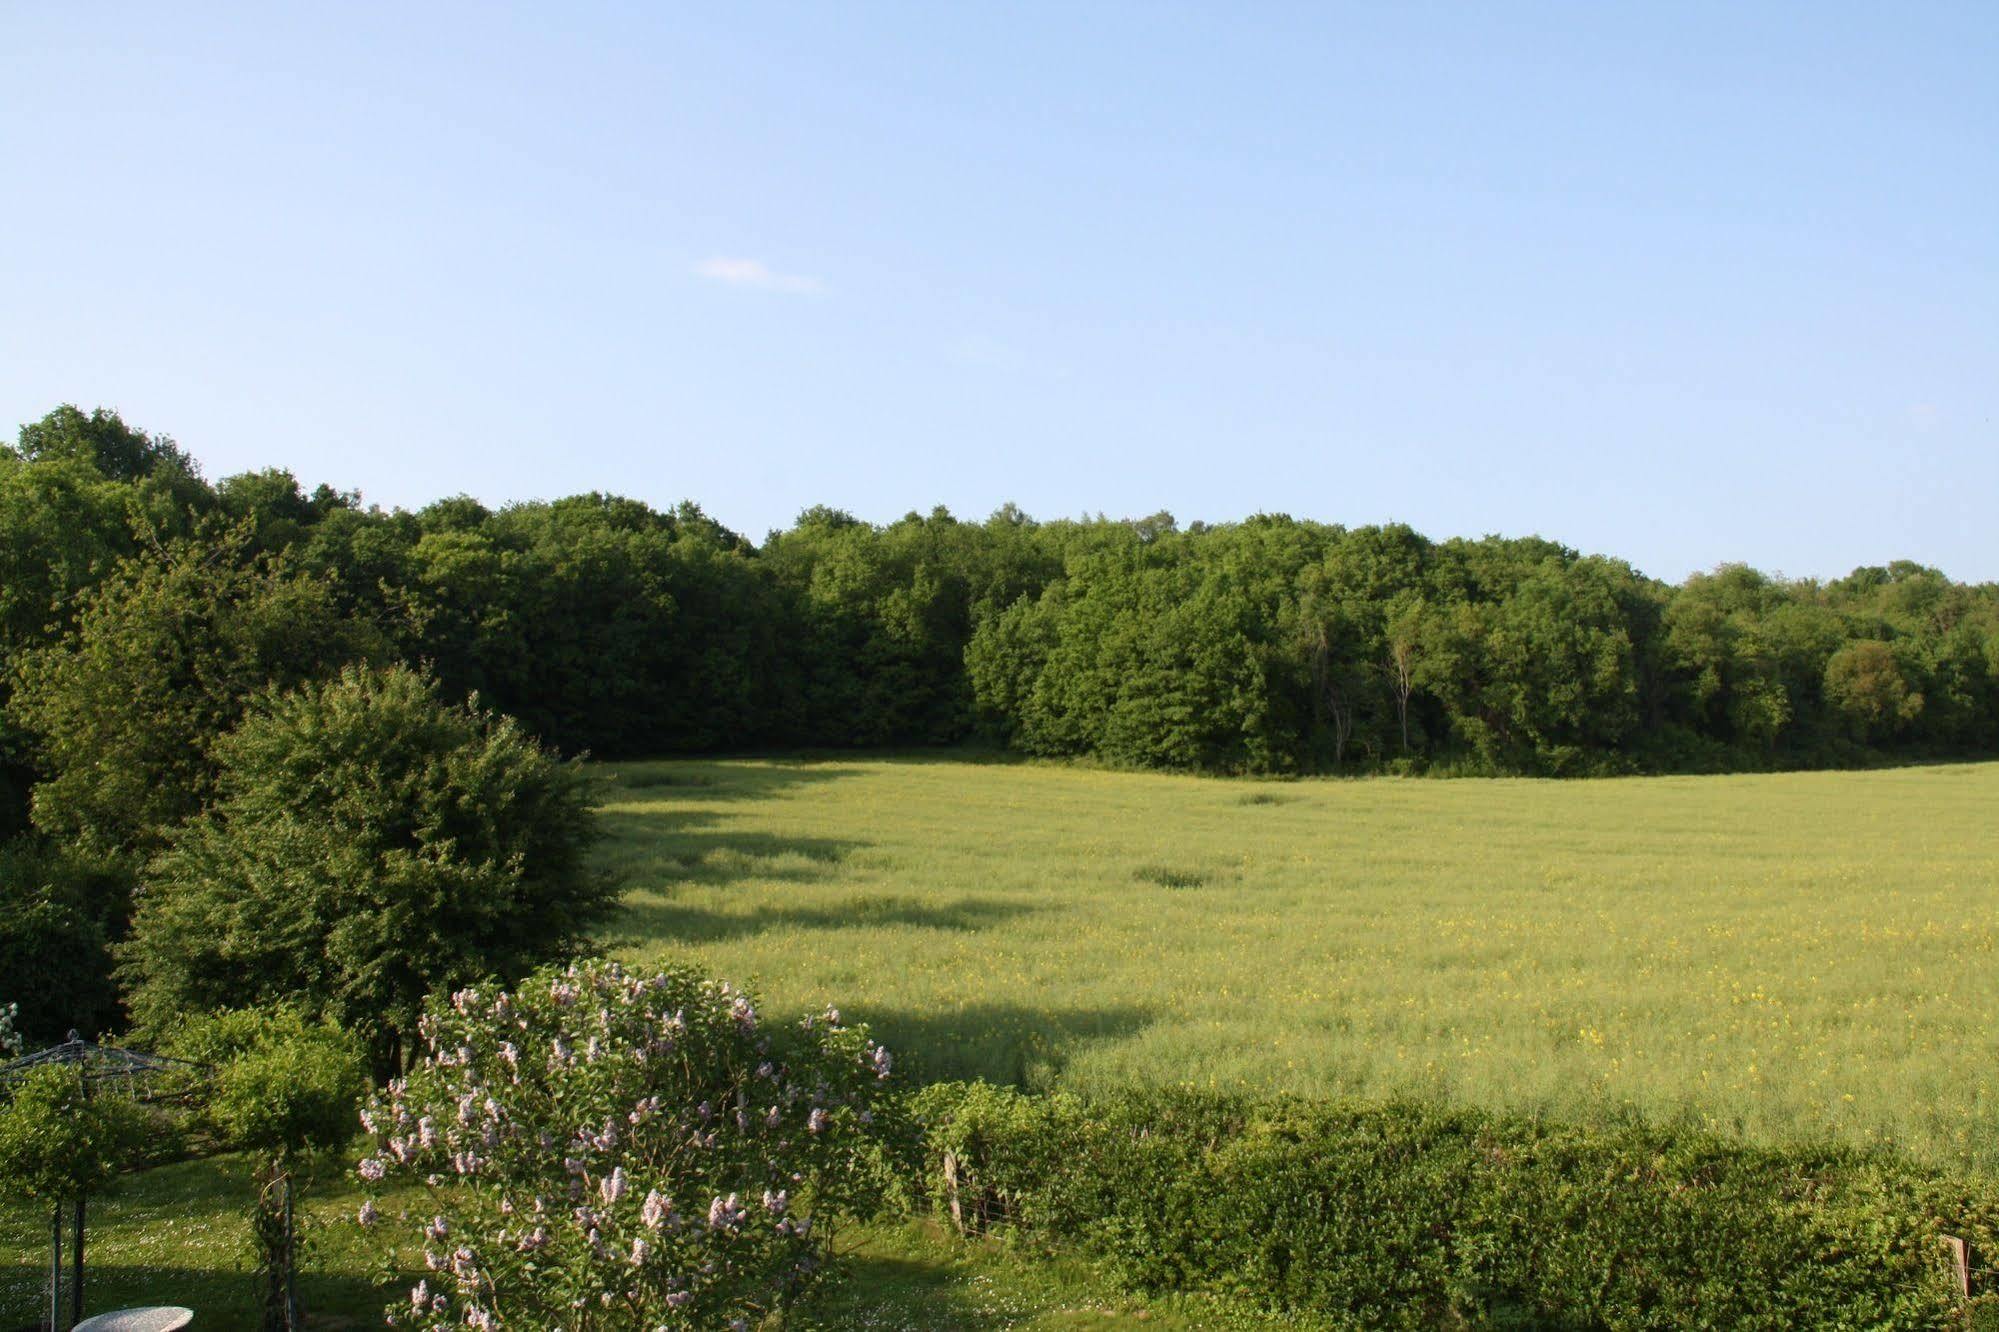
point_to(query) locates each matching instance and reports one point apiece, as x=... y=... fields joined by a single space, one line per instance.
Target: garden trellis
x=99 y=1070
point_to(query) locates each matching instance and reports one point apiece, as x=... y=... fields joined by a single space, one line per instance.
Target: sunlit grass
x=1785 y=956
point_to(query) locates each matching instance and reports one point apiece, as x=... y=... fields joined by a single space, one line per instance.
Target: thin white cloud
x=759 y=276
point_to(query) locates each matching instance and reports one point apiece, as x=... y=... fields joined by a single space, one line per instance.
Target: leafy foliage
x=283 y=1087
x=57 y=911
x=368 y=844
x=165 y=657
x=58 y=1143
x=1269 y=645
x=608 y=1150
x=1404 y=1215
x=281 y=1083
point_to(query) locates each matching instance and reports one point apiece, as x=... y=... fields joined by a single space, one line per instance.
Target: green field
x=1778 y=956
x=1785 y=956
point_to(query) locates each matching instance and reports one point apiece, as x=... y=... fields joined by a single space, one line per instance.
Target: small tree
x=59 y=1144
x=1866 y=684
x=1402 y=635
x=370 y=843
x=607 y=1151
x=285 y=1088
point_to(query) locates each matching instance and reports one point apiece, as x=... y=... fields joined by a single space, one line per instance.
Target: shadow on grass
x=710 y=781
x=223 y=1300
x=647 y=921
x=675 y=848
x=892 y=1294
x=1007 y=1043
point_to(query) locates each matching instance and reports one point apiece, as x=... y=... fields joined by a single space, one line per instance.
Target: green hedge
x=1402 y=1215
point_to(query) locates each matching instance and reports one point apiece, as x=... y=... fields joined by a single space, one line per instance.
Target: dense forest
x=1270 y=645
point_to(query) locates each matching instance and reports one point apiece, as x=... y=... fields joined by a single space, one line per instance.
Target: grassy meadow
x=1799 y=955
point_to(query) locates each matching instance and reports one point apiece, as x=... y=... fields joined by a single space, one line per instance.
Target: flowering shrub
x=608 y=1150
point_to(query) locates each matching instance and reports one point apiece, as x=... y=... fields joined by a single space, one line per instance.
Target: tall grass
x=1784 y=957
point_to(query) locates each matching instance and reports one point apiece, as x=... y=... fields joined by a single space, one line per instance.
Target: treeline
x=1269 y=645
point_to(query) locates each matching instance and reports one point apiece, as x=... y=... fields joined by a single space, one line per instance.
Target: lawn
x=1783 y=956
x=178 y=1235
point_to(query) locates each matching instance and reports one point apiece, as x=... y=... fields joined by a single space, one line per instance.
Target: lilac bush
x=600 y=1149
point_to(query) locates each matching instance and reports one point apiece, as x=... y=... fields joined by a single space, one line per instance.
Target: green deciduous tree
x=165 y=657
x=369 y=842
x=1866 y=684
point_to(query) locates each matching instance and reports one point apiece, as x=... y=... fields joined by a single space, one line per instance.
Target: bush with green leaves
x=281 y=1083
x=285 y=1088
x=369 y=843
x=1411 y=1215
x=610 y=1150
x=58 y=1142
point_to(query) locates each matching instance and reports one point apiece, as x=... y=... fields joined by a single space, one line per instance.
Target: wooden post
x=1960 y=1264
x=55 y=1271
x=951 y=1190
x=76 y=1267
x=293 y=1320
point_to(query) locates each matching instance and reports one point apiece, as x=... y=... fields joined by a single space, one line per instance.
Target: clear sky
x=1683 y=283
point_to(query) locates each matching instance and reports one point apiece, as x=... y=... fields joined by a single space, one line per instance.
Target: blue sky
x=1683 y=283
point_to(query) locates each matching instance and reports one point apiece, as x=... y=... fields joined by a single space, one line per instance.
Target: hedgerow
x=1408 y=1215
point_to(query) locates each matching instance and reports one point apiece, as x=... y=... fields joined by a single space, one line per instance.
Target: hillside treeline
x=137 y=597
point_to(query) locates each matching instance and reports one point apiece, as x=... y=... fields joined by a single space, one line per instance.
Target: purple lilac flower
x=656 y=1210
x=725 y=1213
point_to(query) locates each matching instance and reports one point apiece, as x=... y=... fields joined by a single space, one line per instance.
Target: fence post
x=1960 y=1264
x=55 y=1270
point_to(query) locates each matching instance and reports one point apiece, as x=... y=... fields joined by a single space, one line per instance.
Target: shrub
x=58 y=1143
x=284 y=1088
x=370 y=843
x=606 y=1150
x=1408 y=1215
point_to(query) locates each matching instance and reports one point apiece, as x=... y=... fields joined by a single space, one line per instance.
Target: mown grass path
x=1790 y=955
